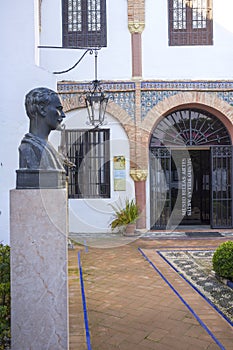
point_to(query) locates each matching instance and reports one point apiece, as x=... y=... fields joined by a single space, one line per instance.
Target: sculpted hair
x=36 y=97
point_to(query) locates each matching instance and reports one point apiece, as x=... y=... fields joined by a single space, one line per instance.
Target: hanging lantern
x=96 y=103
x=96 y=100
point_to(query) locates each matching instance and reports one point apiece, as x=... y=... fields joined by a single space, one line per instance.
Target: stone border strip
x=194 y=287
x=183 y=301
x=225 y=281
x=85 y=315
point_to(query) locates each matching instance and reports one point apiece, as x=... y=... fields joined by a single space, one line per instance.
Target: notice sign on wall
x=119 y=173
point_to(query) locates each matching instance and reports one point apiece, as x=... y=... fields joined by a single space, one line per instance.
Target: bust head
x=40 y=165
x=44 y=109
x=35 y=98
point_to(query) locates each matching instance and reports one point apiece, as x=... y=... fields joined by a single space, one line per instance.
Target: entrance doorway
x=191 y=171
x=193 y=174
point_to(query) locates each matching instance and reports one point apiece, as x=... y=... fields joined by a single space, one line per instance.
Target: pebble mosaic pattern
x=196 y=267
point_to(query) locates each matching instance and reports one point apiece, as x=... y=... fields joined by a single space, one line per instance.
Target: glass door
x=180 y=187
x=191 y=187
x=197 y=190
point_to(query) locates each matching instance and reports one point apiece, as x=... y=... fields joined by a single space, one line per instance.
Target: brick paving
x=131 y=307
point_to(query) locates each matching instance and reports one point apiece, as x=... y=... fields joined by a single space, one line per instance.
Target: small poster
x=119 y=173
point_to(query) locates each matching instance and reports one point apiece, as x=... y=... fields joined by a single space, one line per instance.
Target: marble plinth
x=39 y=289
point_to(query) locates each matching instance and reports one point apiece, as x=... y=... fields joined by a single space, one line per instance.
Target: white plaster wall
x=114 y=62
x=161 y=61
x=19 y=74
x=23 y=66
x=95 y=215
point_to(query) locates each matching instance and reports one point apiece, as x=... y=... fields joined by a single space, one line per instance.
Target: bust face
x=54 y=114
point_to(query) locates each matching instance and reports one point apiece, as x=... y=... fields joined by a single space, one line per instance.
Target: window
x=190 y=22
x=84 y=23
x=89 y=151
x=190 y=127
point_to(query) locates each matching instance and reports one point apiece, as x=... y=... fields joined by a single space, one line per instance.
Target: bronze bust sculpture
x=40 y=165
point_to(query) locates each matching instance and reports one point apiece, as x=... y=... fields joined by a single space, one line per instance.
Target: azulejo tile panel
x=125 y=100
x=73 y=87
x=188 y=85
x=151 y=98
x=226 y=96
x=154 y=92
x=122 y=93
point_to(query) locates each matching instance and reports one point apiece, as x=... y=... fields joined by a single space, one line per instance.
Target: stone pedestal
x=39 y=288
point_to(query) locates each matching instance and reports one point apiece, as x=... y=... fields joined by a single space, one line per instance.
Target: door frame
x=221 y=221
x=221 y=156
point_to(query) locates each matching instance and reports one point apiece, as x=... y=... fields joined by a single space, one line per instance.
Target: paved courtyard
x=136 y=301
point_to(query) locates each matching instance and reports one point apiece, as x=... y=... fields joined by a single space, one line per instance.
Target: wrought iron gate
x=221 y=189
x=161 y=185
x=160 y=203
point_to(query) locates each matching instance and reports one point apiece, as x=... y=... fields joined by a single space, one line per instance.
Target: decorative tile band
x=226 y=96
x=151 y=98
x=126 y=100
x=64 y=87
x=187 y=85
x=123 y=93
x=72 y=87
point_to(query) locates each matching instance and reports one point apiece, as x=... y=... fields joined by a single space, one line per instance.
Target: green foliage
x=4 y=297
x=223 y=260
x=127 y=215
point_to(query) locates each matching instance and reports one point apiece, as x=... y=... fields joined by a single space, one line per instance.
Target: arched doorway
x=190 y=171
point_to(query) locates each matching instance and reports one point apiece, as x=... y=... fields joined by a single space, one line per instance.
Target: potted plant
x=126 y=217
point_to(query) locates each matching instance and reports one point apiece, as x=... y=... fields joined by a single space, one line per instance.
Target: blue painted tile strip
x=88 y=339
x=183 y=301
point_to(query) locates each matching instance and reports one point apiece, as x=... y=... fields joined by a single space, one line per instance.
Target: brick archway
x=208 y=102
x=73 y=102
x=202 y=100
x=122 y=116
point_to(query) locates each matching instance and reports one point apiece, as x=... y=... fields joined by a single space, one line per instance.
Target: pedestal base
x=39 y=292
x=37 y=179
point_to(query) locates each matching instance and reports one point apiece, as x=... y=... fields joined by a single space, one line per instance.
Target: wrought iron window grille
x=89 y=151
x=84 y=23
x=190 y=22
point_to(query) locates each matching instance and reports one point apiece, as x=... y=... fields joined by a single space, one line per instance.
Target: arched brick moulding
x=205 y=101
